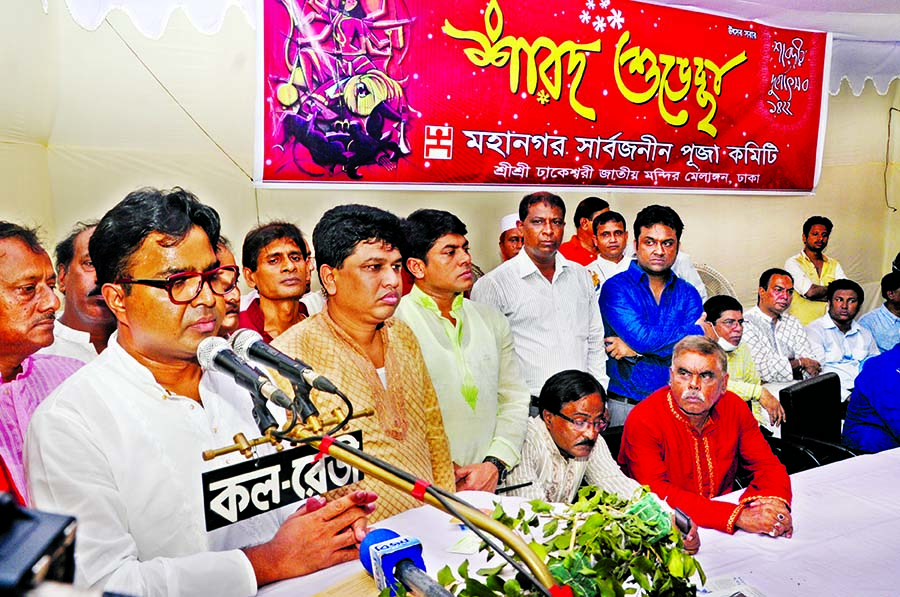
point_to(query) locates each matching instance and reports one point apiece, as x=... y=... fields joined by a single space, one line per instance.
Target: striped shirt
x=556 y=325
x=19 y=398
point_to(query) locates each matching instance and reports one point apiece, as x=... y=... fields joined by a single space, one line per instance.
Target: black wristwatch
x=502 y=469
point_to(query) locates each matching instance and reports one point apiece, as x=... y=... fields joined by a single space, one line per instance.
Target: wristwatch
x=502 y=468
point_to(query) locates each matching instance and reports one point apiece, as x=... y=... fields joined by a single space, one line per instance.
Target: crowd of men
x=478 y=382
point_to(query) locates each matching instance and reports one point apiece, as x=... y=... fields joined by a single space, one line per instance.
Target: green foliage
x=601 y=545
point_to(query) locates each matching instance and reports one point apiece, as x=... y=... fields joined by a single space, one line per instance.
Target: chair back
x=812 y=408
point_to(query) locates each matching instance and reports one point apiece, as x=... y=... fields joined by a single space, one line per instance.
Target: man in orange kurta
x=685 y=441
x=371 y=357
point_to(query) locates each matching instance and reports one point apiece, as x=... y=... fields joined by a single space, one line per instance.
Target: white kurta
x=113 y=448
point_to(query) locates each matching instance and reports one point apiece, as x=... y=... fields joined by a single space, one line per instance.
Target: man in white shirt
x=120 y=446
x=86 y=323
x=548 y=300
x=884 y=322
x=777 y=340
x=611 y=238
x=468 y=348
x=838 y=342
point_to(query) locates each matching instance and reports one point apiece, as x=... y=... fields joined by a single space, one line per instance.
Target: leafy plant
x=601 y=545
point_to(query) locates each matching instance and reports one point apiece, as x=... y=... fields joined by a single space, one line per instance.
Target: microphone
x=391 y=558
x=249 y=345
x=214 y=354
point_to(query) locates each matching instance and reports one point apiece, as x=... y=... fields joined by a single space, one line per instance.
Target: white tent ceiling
x=866 y=33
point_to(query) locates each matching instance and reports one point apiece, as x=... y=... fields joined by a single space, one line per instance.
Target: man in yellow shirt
x=812 y=270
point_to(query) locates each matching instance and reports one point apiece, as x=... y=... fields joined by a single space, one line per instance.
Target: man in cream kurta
x=469 y=350
x=372 y=358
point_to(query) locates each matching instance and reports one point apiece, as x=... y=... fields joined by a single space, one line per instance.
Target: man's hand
x=772 y=406
x=766 y=517
x=617 y=348
x=812 y=367
x=708 y=330
x=692 y=539
x=477 y=477
x=337 y=526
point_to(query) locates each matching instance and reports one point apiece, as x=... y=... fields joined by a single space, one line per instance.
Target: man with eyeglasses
x=120 y=445
x=686 y=439
x=727 y=316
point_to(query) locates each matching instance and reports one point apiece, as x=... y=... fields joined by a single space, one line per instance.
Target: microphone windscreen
x=208 y=349
x=374 y=537
x=241 y=341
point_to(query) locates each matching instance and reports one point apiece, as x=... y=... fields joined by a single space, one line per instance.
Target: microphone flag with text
x=391 y=558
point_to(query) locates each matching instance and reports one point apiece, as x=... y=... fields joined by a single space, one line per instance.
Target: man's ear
x=326 y=278
x=114 y=295
x=545 y=415
x=250 y=277
x=416 y=267
x=61 y=279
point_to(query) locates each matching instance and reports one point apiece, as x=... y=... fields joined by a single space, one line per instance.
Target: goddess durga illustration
x=341 y=101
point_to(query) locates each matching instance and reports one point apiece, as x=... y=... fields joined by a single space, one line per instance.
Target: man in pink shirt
x=27 y=312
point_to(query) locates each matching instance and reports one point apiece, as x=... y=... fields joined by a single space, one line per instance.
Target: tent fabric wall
x=91 y=123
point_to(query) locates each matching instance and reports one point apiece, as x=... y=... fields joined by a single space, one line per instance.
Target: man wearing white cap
x=510 y=238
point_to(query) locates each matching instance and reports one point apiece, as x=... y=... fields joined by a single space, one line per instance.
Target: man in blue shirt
x=646 y=310
x=884 y=322
x=873 y=414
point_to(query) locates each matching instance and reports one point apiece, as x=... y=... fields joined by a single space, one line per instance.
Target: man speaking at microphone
x=119 y=447
x=370 y=356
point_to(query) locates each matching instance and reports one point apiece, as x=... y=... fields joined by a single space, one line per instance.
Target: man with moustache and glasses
x=27 y=307
x=372 y=357
x=86 y=323
x=119 y=445
x=469 y=350
x=685 y=440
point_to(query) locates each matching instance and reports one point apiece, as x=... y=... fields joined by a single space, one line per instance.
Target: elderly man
x=727 y=316
x=119 y=445
x=646 y=310
x=884 y=322
x=510 y=237
x=276 y=263
x=84 y=327
x=838 y=342
x=685 y=442
x=581 y=247
x=373 y=358
x=777 y=340
x=873 y=413
x=232 y=318
x=548 y=300
x=27 y=307
x=468 y=348
x=812 y=271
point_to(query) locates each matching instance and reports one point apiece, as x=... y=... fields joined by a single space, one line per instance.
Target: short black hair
x=540 y=197
x=766 y=276
x=29 y=236
x=141 y=213
x=658 y=214
x=424 y=227
x=265 y=234
x=65 y=249
x=609 y=216
x=588 y=207
x=345 y=226
x=716 y=305
x=845 y=284
x=817 y=220
x=889 y=283
x=568 y=386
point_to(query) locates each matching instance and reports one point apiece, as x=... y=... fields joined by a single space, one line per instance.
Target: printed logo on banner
x=247 y=489
x=438 y=142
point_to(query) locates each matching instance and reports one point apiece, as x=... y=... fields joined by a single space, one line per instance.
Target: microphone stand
x=297 y=433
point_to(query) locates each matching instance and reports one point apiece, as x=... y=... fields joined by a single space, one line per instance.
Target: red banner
x=566 y=93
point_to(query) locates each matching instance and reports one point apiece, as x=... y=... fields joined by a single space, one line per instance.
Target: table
x=846 y=537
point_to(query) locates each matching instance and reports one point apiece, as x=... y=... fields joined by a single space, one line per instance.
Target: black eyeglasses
x=186 y=286
x=582 y=424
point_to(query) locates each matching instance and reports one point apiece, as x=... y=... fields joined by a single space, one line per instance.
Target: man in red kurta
x=685 y=441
